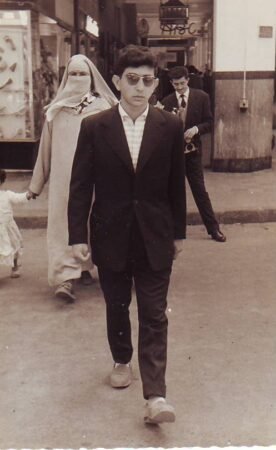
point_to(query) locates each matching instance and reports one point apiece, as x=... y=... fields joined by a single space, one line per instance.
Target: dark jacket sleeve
x=169 y=102
x=81 y=189
x=206 y=121
x=177 y=191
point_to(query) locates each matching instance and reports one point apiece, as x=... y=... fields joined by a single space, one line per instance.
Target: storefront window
x=55 y=50
x=49 y=68
x=16 y=90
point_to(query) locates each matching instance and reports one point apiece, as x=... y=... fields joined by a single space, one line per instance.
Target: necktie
x=183 y=103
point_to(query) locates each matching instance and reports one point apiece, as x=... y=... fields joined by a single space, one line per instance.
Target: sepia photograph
x=137 y=224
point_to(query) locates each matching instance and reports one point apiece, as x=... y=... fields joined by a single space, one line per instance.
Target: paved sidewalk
x=236 y=198
x=55 y=360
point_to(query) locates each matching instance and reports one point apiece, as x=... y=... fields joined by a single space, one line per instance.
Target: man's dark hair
x=178 y=72
x=134 y=56
x=2 y=176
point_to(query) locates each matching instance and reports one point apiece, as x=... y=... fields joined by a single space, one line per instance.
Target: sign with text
x=265 y=31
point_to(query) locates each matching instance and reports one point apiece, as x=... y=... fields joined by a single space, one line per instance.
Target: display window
x=49 y=68
x=55 y=50
x=16 y=90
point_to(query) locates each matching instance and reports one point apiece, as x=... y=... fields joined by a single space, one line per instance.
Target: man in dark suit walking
x=131 y=156
x=193 y=106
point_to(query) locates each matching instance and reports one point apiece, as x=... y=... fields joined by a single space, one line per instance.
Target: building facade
x=231 y=43
x=36 y=39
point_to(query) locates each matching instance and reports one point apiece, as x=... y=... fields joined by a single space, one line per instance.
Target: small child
x=10 y=236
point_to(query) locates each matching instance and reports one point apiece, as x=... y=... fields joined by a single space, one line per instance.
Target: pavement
x=236 y=198
x=55 y=360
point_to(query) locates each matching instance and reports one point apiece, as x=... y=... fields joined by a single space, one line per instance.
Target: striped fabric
x=134 y=132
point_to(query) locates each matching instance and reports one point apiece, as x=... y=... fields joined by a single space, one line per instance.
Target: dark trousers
x=151 y=292
x=195 y=177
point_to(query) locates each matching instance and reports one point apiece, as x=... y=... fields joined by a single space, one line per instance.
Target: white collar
x=186 y=94
x=124 y=114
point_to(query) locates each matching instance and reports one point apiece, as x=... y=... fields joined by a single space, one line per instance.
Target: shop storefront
x=36 y=40
x=20 y=121
x=55 y=50
x=89 y=38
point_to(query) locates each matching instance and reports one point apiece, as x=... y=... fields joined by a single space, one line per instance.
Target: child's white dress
x=10 y=237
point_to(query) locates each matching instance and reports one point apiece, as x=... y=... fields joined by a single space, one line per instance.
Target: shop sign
x=265 y=32
x=92 y=26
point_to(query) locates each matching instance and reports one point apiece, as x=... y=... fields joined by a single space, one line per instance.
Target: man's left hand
x=190 y=133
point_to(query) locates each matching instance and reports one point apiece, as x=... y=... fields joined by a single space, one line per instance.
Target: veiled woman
x=82 y=92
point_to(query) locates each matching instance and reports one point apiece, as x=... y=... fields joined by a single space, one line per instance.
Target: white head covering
x=73 y=89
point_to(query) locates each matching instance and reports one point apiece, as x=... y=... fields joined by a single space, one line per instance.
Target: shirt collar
x=186 y=94
x=124 y=114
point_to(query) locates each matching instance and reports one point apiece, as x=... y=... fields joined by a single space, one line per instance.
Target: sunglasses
x=133 y=79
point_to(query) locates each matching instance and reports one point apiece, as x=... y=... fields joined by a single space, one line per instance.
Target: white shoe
x=159 y=411
x=120 y=376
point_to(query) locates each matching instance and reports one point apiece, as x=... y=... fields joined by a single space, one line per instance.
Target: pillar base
x=241 y=165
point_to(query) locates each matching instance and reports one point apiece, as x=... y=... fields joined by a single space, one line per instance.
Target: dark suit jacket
x=198 y=110
x=195 y=81
x=154 y=194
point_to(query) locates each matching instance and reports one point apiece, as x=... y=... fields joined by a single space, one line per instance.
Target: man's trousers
x=195 y=177
x=151 y=292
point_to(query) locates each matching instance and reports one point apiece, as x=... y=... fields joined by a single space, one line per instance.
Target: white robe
x=11 y=244
x=54 y=162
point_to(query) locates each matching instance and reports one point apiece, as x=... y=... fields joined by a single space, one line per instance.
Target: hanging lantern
x=173 y=16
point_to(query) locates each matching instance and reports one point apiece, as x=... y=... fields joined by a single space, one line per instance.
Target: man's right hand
x=81 y=252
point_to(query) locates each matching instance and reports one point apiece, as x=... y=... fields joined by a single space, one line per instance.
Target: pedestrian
x=195 y=78
x=193 y=106
x=11 y=244
x=132 y=157
x=82 y=92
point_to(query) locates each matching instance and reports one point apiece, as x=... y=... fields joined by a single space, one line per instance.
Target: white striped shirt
x=134 y=132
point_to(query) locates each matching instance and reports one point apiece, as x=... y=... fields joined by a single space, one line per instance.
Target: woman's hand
x=31 y=195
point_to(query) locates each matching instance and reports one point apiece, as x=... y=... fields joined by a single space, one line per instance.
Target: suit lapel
x=175 y=101
x=151 y=136
x=115 y=136
x=190 y=106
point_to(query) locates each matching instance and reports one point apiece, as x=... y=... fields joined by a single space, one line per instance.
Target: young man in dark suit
x=193 y=106
x=131 y=157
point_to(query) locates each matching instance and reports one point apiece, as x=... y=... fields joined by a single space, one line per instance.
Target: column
x=243 y=73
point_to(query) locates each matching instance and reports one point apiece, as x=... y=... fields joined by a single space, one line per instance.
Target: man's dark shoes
x=218 y=236
x=120 y=376
x=86 y=278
